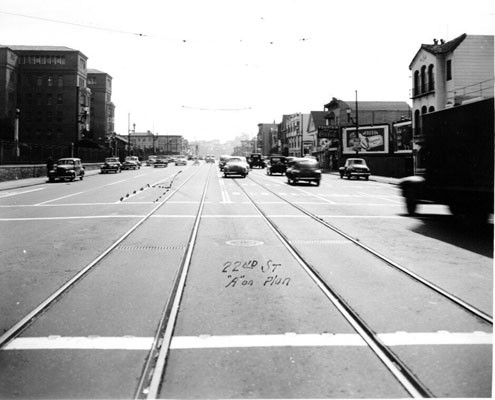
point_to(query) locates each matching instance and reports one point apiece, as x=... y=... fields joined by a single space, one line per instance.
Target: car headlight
x=318 y=171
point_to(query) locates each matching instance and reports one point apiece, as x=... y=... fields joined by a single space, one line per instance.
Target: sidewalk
x=376 y=178
x=21 y=183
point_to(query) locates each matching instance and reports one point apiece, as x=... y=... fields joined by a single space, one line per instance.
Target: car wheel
x=81 y=177
x=341 y=176
x=318 y=182
x=51 y=179
x=366 y=178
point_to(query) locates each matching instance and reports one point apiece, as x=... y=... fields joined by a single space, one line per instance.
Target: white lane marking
x=83 y=343
x=59 y=198
x=66 y=218
x=114 y=183
x=243 y=341
x=381 y=197
x=17 y=193
x=223 y=191
x=192 y=216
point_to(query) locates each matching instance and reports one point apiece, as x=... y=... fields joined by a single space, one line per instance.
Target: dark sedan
x=276 y=165
x=66 y=169
x=112 y=164
x=303 y=169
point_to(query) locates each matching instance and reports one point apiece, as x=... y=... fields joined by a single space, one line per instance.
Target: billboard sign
x=369 y=140
x=403 y=138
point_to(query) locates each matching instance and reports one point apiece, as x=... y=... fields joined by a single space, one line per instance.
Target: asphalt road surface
x=180 y=283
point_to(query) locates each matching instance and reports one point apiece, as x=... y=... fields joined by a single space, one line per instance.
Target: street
x=179 y=283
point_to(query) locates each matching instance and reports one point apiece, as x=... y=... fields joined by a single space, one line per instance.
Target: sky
x=215 y=69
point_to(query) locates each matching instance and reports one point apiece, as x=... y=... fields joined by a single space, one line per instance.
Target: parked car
x=181 y=160
x=161 y=162
x=131 y=162
x=303 y=169
x=355 y=167
x=112 y=164
x=236 y=166
x=66 y=169
x=276 y=165
x=210 y=159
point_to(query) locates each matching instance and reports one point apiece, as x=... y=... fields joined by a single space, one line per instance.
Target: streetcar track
x=152 y=377
x=28 y=319
x=397 y=368
x=451 y=297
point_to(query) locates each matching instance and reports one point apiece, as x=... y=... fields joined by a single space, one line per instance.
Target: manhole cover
x=245 y=243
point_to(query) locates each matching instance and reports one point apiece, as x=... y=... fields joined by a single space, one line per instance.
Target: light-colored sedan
x=236 y=166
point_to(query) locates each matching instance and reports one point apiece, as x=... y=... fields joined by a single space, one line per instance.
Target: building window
x=59 y=116
x=423 y=110
x=431 y=79
x=39 y=80
x=49 y=99
x=423 y=79
x=60 y=98
x=449 y=69
x=60 y=81
x=50 y=80
x=431 y=109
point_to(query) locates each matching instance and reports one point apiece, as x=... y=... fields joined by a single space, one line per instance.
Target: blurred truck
x=459 y=161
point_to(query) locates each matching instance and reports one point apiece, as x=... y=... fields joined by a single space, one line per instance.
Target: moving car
x=255 y=160
x=276 y=165
x=151 y=160
x=210 y=159
x=160 y=162
x=303 y=169
x=355 y=167
x=66 y=169
x=131 y=162
x=236 y=166
x=112 y=164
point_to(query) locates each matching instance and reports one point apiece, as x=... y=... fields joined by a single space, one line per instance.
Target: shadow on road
x=477 y=238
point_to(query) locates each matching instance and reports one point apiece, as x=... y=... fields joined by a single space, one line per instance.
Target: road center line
x=244 y=341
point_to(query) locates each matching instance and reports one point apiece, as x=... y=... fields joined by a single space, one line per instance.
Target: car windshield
x=111 y=159
x=234 y=161
x=65 y=162
x=356 y=162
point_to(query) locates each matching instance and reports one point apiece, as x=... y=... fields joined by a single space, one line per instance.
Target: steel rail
x=21 y=325
x=151 y=380
x=451 y=297
x=399 y=370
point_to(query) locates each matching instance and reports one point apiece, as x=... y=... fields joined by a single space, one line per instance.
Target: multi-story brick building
x=102 y=110
x=267 y=138
x=52 y=94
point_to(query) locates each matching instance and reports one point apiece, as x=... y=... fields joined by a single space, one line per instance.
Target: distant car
x=303 y=169
x=276 y=165
x=66 y=169
x=160 y=162
x=151 y=160
x=112 y=164
x=131 y=162
x=255 y=160
x=355 y=167
x=181 y=161
x=236 y=166
x=210 y=159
